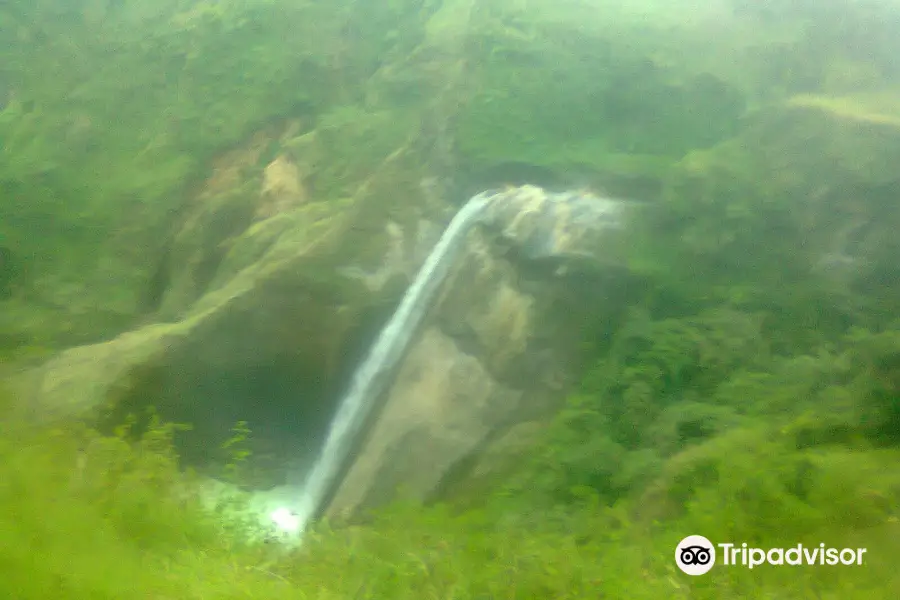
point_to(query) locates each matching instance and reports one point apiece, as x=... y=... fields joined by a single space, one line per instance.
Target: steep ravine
x=493 y=351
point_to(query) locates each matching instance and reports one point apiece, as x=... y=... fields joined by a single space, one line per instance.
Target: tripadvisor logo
x=696 y=555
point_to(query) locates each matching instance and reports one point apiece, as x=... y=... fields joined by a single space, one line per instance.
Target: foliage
x=746 y=399
x=669 y=385
x=579 y=98
x=110 y=118
x=237 y=449
x=99 y=517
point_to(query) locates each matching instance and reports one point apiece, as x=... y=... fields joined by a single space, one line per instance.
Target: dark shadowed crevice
x=281 y=401
x=286 y=401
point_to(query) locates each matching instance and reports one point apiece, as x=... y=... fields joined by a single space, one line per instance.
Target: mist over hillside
x=529 y=291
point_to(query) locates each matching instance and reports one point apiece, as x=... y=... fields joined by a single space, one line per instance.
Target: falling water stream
x=375 y=371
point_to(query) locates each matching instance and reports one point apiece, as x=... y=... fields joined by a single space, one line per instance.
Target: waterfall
x=371 y=376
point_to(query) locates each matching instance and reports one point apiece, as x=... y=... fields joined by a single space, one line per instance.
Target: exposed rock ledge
x=499 y=348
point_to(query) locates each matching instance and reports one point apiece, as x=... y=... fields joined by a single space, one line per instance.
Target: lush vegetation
x=688 y=425
x=747 y=397
x=110 y=111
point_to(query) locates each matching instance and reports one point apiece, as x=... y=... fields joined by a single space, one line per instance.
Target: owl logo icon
x=695 y=555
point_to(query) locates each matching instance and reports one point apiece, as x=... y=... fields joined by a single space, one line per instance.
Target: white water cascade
x=371 y=376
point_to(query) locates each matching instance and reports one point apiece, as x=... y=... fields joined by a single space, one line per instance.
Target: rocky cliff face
x=499 y=348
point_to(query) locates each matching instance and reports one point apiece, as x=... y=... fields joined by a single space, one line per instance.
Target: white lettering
x=725 y=553
x=751 y=558
x=794 y=556
x=757 y=557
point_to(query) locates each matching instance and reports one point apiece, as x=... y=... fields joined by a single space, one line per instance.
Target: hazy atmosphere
x=449 y=299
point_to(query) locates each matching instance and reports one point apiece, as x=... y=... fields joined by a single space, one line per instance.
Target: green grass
x=84 y=516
